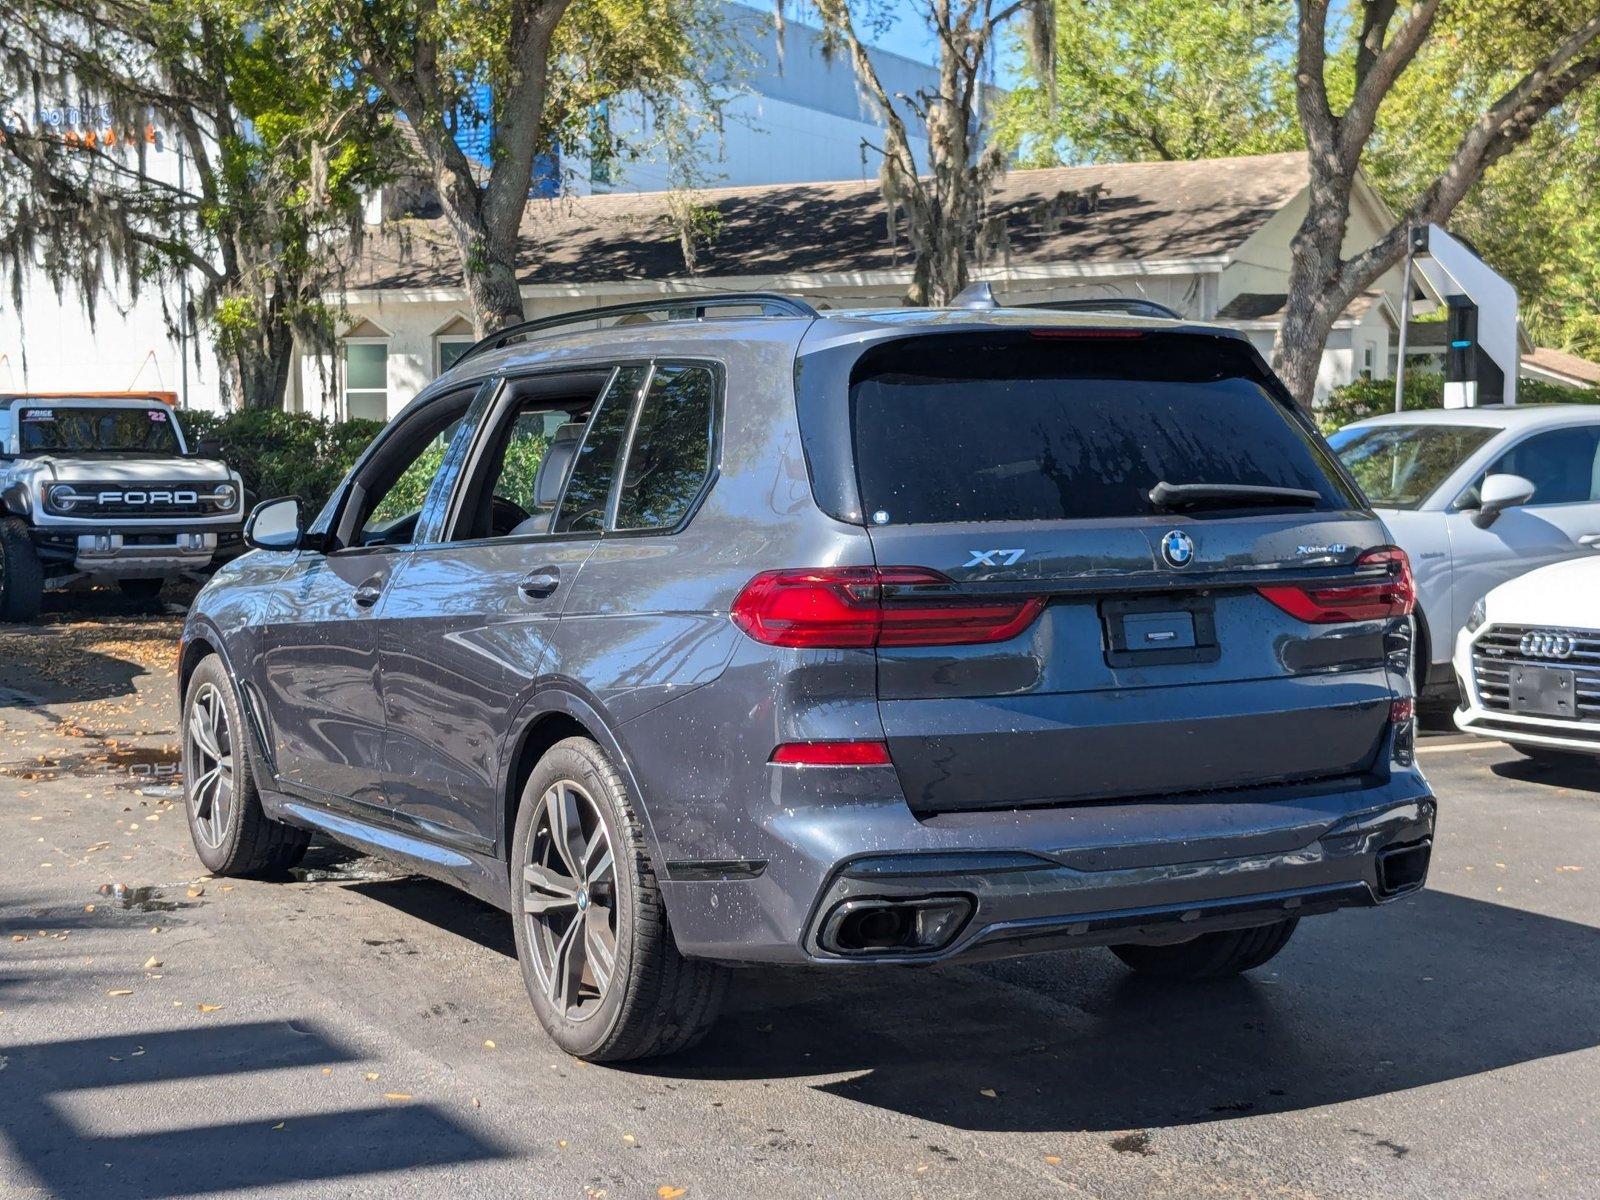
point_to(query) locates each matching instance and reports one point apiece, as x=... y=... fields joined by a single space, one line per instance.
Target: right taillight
x=844 y=607
x=1391 y=592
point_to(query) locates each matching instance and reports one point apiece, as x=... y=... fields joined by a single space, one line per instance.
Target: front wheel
x=1211 y=955
x=231 y=833
x=21 y=573
x=598 y=958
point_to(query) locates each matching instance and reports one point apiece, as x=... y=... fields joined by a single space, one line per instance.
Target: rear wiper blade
x=1223 y=495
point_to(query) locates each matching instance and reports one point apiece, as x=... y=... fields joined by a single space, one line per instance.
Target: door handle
x=1590 y=541
x=540 y=583
x=369 y=592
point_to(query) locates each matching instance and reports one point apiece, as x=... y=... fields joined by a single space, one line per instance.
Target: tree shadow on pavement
x=77 y=1146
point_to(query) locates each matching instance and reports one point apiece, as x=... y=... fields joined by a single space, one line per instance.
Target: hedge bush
x=1425 y=389
x=282 y=453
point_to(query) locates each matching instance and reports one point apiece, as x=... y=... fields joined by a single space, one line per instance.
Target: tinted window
x=1561 y=463
x=57 y=427
x=669 y=457
x=583 y=506
x=1037 y=429
x=1399 y=466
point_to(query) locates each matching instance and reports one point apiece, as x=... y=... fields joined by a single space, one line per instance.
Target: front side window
x=366 y=380
x=400 y=480
x=669 y=456
x=1400 y=466
x=1563 y=465
x=65 y=429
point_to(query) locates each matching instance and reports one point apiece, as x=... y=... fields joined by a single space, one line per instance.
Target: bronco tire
x=597 y=955
x=231 y=833
x=21 y=576
x=1211 y=955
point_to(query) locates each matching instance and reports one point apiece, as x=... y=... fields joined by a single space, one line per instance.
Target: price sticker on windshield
x=157 y=415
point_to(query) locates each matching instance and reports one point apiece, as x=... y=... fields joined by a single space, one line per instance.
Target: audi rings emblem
x=1547 y=645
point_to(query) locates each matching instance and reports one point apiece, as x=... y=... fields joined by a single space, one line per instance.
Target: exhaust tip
x=874 y=926
x=1403 y=868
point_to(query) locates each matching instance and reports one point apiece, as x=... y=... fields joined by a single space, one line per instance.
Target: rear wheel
x=21 y=574
x=231 y=833
x=597 y=955
x=1211 y=955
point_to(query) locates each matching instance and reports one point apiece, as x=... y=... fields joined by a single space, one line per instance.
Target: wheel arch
x=548 y=717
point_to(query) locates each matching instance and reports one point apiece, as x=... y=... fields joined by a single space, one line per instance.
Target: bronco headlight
x=224 y=498
x=62 y=498
x=1478 y=615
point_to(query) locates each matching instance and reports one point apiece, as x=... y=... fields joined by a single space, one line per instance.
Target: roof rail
x=677 y=308
x=1132 y=306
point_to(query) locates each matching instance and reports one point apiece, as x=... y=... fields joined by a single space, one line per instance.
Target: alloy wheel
x=569 y=900
x=208 y=768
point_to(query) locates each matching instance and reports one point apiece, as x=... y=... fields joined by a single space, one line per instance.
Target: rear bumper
x=1052 y=879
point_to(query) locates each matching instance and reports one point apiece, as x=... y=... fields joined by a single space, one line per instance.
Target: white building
x=1209 y=239
x=48 y=343
x=790 y=115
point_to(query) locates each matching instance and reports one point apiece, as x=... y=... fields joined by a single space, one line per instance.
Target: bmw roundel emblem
x=1177 y=548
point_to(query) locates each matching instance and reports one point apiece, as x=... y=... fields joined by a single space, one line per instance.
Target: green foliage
x=1159 y=79
x=1425 y=389
x=282 y=453
x=1170 y=79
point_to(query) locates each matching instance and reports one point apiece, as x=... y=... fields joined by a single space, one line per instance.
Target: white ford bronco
x=105 y=488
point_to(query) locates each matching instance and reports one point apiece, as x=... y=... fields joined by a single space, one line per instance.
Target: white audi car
x=1528 y=662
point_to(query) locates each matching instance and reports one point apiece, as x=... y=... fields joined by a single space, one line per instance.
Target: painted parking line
x=1447 y=747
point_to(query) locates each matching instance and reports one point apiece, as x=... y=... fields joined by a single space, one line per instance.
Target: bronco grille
x=1502 y=647
x=150 y=501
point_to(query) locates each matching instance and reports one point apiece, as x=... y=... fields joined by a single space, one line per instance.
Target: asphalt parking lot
x=357 y=1031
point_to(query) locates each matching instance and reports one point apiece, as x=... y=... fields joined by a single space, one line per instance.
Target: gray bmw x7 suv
x=724 y=631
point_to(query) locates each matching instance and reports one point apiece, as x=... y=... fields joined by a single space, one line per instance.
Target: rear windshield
x=1028 y=428
x=57 y=427
x=1399 y=466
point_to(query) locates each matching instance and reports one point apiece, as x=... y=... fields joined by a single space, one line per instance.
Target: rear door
x=1022 y=465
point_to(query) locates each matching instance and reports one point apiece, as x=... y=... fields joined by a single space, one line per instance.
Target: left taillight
x=845 y=607
x=1390 y=592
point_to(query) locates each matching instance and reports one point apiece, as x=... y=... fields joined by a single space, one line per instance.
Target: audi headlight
x=1478 y=615
x=61 y=497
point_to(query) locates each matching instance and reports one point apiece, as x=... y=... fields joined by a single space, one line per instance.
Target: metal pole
x=1405 y=328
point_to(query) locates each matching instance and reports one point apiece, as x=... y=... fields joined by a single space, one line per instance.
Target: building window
x=450 y=342
x=1368 y=358
x=366 y=378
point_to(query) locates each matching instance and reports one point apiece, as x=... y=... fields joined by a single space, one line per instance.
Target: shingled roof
x=1113 y=213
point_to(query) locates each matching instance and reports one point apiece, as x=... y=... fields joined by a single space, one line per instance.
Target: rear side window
x=669 y=457
x=583 y=504
x=1031 y=428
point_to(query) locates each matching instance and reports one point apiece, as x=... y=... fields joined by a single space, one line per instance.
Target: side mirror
x=207 y=447
x=1497 y=493
x=275 y=525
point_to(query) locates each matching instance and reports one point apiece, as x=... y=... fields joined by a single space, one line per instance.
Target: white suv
x=1477 y=496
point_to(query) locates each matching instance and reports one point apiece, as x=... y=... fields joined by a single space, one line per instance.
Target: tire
x=1211 y=955
x=231 y=833
x=141 y=591
x=21 y=575
x=651 y=1000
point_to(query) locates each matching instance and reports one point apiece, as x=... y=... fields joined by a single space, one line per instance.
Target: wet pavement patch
x=144 y=898
x=136 y=766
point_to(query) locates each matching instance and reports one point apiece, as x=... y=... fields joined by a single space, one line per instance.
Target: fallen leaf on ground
x=667 y=1192
x=152 y=964
x=279 y=1125
x=208 y=1007
x=1569 y=868
x=196 y=892
x=488 y=1045
x=120 y=992
x=371 y=1076
x=397 y=1095
x=1053 y=1159
x=989 y=1092
x=630 y=1139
